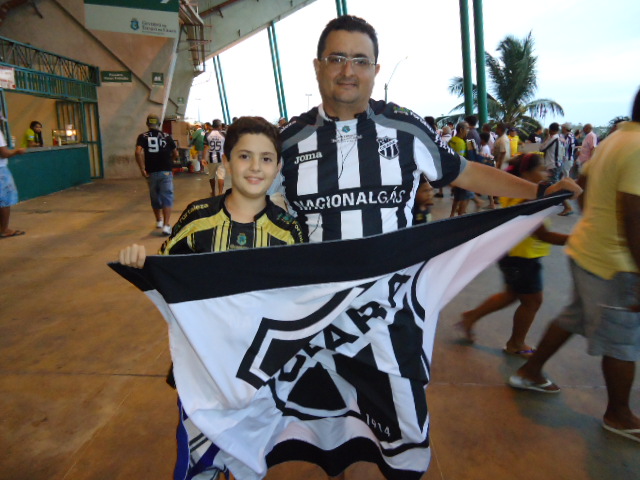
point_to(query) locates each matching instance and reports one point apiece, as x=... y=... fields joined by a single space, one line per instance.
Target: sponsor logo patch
x=307 y=157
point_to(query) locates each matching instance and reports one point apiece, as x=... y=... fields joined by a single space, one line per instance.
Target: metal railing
x=18 y=54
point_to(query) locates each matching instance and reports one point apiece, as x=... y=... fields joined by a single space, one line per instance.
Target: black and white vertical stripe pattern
x=356 y=178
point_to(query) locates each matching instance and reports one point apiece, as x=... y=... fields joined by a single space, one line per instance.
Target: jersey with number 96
x=158 y=148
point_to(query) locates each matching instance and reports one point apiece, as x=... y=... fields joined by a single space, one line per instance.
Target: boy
x=244 y=217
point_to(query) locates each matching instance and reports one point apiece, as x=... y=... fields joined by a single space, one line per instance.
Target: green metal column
x=481 y=71
x=341 y=7
x=466 y=57
x=277 y=72
x=221 y=90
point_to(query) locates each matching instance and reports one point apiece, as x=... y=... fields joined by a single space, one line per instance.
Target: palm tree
x=513 y=79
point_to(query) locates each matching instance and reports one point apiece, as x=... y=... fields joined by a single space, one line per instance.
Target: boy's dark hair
x=472 y=120
x=635 y=111
x=348 y=23
x=33 y=124
x=484 y=136
x=255 y=125
x=554 y=127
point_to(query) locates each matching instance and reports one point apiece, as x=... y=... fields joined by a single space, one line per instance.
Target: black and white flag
x=321 y=352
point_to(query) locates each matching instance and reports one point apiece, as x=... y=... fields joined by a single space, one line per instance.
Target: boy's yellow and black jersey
x=206 y=226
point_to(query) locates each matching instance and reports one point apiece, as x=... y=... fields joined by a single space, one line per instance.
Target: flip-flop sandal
x=566 y=214
x=15 y=233
x=521 y=383
x=630 y=433
x=520 y=353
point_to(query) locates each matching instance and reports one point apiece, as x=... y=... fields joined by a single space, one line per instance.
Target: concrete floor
x=83 y=356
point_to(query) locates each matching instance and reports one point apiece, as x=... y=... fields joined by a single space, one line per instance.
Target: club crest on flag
x=388 y=147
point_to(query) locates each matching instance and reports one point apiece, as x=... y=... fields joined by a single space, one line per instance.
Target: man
x=554 y=155
x=8 y=191
x=473 y=133
x=589 y=144
x=352 y=165
x=604 y=252
x=155 y=153
x=535 y=137
x=502 y=146
x=569 y=141
x=461 y=196
x=197 y=140
x=213 y=148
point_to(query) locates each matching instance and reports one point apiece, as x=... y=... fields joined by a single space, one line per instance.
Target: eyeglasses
x=339 y=61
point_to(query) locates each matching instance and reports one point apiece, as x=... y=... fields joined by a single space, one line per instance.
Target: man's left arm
x=140 y=160
x=492 y=181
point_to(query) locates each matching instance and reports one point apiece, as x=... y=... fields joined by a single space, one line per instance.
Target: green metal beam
x=341 y=7
x=217 y=66
x=466 y=57
x=277 y=71
x=481 y=71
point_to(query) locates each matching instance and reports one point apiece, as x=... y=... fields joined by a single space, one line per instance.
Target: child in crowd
x=521 y=269
x=243 y=217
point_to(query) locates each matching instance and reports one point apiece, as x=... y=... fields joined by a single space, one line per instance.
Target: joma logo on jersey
x=306 y=157
x=388 y=147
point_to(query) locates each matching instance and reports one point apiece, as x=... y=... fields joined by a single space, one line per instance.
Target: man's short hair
x=472 y=120
x=255 y=125
x=554 y=127
x=153 y=121
x=501 y=126
x=461 y=126
x=348 y=23
x=217 y=123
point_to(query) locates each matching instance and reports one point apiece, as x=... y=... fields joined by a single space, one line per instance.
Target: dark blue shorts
x=522 y=275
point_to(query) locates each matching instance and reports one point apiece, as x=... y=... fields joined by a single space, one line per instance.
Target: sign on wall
x=157 y=78
x=142 y=17
x=107 y=76
x=7 y=78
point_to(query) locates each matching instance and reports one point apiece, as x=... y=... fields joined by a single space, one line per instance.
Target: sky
x=588 y=57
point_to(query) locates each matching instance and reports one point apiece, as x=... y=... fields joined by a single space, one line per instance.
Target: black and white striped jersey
x=215 y=140
x=356 y=178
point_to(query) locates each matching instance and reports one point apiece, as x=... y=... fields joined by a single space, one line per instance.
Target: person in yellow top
x=604 y=257
x=33 y=136
x=514 y=140
x=521 y=269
